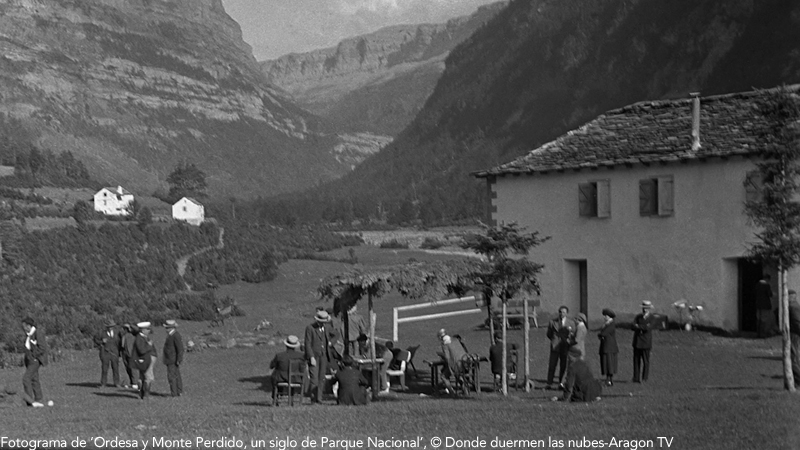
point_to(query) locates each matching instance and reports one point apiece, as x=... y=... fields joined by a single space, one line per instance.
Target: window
x=752 y=186
x=656 y=196
x=594 y=199
x=184 y=209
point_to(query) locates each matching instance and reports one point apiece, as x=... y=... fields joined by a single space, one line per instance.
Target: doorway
x=576 y=284
x=749 y=274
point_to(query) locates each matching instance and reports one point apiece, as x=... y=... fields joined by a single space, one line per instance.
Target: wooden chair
x=412 y=351
x=296 y=385
x=399 y=373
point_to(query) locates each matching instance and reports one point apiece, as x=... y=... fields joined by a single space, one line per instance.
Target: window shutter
x=752 y=186
x=665 y=196
x=604 y=198
x=647 y=197
x=587 y=200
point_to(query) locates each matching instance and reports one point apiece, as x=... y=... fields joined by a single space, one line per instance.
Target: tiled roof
x=190 y=199
x=649 y=132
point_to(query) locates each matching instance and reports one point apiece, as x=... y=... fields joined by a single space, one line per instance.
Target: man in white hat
x=643 y=325
x=320 y=338
x=144 y=357
x=280 y=362
x=173 y=357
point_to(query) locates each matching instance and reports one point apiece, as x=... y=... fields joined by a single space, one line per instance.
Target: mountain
x=376 y=82
x=133 y=87
x=543 y=67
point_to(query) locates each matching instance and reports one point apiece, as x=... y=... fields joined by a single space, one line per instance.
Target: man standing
x=128 y=339
x=35 y=356
x=764 y=306
x=356 y=327
x=642 y=342
x=319 y=340
x=794 y=330
x=144 y=356
x=559 y=331
x=281 y=361
x=109 y=344
x=173 y=357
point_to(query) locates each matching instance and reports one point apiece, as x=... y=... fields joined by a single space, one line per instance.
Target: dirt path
x=183 y=261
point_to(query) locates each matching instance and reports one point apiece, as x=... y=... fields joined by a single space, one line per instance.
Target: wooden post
x=375 y=388
x=505 y=350
x=526 y=345
x=346 y=337
x=491 y=319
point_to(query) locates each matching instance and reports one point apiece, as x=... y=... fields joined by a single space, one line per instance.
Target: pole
x=375 y=387
x=526 y=344
x=505 y=352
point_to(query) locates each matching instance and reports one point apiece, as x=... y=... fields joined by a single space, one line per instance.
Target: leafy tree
x=506 y=277
x=186 y=181
x=777 y=212
x=82 y=211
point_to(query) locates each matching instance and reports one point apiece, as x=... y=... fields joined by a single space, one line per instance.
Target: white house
x=189 y=210
x=645 y=203
x=113 y=201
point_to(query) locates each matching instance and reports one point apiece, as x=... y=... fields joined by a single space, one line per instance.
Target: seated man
x=496 y=358
x=452 y=353
x=352 y=386
x=280 y=363
x=580 y=385
x=398 y=356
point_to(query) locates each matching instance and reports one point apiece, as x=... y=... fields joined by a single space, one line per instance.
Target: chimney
x=695 y=120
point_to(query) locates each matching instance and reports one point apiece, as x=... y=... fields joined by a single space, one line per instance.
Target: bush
x=394 y=243
x=431 y=243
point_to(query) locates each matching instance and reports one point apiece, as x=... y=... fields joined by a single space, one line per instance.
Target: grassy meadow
x=705 y=391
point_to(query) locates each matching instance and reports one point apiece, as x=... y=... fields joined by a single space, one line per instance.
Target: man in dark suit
x=643 y=325
x=580 y=385
x=352 y=384
x=764 y=306
x=320 y=338
x=109 y=343
x=35 y=356
x=559 y=331
x=280 y=362
x=173 y=357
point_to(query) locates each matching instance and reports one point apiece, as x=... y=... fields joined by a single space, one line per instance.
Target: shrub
x=431 y=243
x=393 y=243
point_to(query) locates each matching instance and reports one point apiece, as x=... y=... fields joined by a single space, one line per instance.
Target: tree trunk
x=375 y=388
x=526 y=347
x=504 y=372
x=788 y=375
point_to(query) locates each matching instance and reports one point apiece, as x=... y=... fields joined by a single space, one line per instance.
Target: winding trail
x=184 y=260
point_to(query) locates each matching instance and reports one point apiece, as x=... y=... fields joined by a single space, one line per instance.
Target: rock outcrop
x=375 y=82
x=132 y=87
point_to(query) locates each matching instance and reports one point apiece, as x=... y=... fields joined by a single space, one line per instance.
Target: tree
x=506 y=277
x=776 y=213
x=186 y=181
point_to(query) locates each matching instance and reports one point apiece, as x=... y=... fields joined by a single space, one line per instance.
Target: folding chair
x=412 y=351
x=297 y=383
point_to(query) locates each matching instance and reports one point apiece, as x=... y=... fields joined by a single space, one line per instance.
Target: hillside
x=541 y=68
x=376 y=82
x=132 y=87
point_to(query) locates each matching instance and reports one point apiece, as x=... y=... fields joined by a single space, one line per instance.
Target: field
x=705 y=392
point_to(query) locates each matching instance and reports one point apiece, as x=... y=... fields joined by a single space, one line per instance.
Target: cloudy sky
x=277 y=27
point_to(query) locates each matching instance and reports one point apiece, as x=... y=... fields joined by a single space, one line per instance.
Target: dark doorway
x=584 y=283
x=749 y=274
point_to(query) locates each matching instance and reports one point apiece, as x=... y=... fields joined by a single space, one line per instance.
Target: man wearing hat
x=608 y=346
x=109 y=344
x=642 y=342
x=320 y=338
x=35 y=356
x=280 y=362
x=173 y=357
x=144 y=357
x=128 y=339
x=578 y=339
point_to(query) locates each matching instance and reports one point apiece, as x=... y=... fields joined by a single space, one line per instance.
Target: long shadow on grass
x=85 y=384
x=265 y=382
x=768 y=358
x=117 y=394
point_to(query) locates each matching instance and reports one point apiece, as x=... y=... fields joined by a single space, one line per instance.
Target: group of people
x=324 y=354
x=568 y=351
x=133 y=344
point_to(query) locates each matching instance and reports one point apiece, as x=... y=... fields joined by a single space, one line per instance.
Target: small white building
x=113 y=201
x=189 y=210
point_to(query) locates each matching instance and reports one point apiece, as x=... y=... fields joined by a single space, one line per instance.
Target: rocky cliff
x=375 y=82
x=132 y=87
